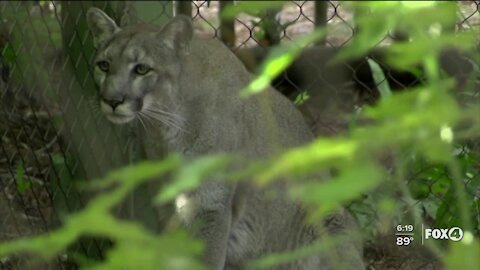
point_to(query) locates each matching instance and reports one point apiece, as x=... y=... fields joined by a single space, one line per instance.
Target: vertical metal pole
x=321 y=17
x=183 y=8
x=227 y=26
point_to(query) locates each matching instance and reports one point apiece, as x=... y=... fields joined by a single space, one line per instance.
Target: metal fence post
x=227 y=26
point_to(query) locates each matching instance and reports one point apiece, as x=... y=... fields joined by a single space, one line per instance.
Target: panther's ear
x=101 y=26
x=178 y=33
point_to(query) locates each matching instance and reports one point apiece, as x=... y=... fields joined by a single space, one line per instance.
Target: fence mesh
x=52 y=134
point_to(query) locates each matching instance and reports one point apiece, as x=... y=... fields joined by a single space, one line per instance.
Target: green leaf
x=135 y=174
x=278 y=60
x=371 y=34
x=135 y=247
x=404 y=55
x=301 y=98
x=22 y=183
x=317 y=247
x=348 y=185
x=9 y=53
x=309 y=158
x=254 y=8
x=463 y=255
x=420 y=189
x=379 y=78
x=192 y=175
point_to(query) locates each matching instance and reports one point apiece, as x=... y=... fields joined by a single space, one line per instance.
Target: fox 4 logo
x=454 y=234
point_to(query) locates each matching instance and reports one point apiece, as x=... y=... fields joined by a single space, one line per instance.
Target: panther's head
x=137 y=67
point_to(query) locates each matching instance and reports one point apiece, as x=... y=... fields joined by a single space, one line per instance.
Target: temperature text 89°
x=404 y=240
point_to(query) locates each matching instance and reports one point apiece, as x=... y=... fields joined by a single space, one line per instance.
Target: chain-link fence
x=51 y=133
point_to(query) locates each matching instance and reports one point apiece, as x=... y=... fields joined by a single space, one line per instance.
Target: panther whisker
x=95 y=107
x=154 y=109
x=151 y=117
x=165 y=119
x=162 y=107
x=149 y=120
x=142 y=122
x=172 y=117
x=163 y=112
x=177 y=122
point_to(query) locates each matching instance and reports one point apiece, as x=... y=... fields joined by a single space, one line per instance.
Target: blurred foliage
x=254 y=8
x=31 y=33
x=22 y=183
x=301 y=98
x=278 y=60
x=134 y=247
x=379 y=78
x=431 y=177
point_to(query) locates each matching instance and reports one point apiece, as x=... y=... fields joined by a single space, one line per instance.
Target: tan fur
x=197 y=82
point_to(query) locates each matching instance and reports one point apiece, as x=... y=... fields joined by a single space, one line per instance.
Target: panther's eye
x=141 y=69
x=103 y=66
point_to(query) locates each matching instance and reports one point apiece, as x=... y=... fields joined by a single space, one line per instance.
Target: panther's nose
x=113 y=102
